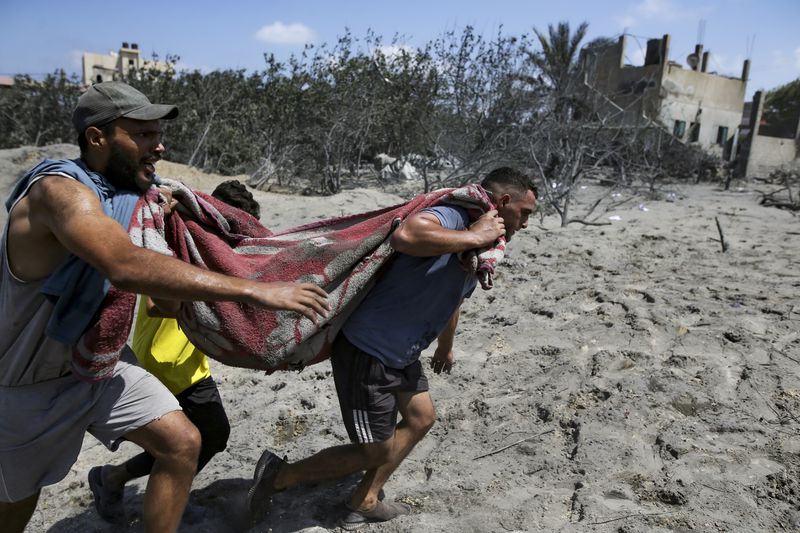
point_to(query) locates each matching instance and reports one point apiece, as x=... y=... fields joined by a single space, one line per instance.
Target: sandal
x=382 y=512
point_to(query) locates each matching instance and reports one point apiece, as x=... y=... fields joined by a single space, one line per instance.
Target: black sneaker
x=260 y=494
x=107 y=502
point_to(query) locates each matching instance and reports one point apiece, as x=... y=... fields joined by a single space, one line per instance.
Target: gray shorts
x=367 y=391
x=42 y=425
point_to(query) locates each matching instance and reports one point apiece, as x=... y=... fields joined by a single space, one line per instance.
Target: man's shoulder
x=450 y=216
x=447 y=208
x=58 y=167
x=54 y=187
x=47 y=168
x=53 y=199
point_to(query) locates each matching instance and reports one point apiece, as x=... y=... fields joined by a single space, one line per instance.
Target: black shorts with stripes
x=367 y=391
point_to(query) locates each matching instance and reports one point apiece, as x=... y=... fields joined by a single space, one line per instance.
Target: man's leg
x=202 y=405
x=419 y=416
x=334 y=463
x=15 y=515
x=116 y=476
x=369 y=413
x=174 y=442
x=107 y=484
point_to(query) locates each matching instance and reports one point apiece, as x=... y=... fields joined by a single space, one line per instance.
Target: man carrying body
x=375 y=360
x=61 y=217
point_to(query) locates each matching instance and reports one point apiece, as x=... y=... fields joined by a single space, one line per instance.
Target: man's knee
x=187 y=442
x=175 y=439
x=420 y=422
x=216 y=440
x=215 y=429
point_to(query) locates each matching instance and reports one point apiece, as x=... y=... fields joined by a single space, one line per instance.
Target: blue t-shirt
x=411 y=304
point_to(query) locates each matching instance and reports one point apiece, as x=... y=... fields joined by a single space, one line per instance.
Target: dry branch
x=512 y=445
x=585 y=223
x=634 y=515
x=721 y=236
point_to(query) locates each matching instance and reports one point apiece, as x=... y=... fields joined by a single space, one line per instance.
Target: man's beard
x=121 y=169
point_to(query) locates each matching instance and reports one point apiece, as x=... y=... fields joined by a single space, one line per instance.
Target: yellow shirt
x=164 y=351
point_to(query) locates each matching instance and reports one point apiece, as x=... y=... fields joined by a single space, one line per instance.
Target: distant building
x=694 y=105
x=98 y=68
x=6 y=82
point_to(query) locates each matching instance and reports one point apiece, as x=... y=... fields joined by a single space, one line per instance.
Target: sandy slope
x=644 y=380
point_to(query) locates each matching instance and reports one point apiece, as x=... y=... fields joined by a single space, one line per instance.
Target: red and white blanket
x=341 y=255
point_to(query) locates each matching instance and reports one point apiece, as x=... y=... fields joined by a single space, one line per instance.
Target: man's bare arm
x=74 y=215
x=443 y=358
x=422 y=235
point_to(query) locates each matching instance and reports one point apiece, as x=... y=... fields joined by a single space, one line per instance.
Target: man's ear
x=504 y=200
x=95 y=137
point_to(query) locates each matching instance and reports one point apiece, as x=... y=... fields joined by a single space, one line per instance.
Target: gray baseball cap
x=107 y=101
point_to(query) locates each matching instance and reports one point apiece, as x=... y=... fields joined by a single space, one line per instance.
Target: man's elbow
x=400 y=241
x=125 y=273
x=123 y=278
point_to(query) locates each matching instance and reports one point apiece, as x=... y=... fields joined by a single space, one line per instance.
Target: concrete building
x=765 y=149
x=116 y=65
x=694 y=105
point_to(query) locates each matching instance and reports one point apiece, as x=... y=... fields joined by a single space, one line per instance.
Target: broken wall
x=771 y=153
x=713 y=103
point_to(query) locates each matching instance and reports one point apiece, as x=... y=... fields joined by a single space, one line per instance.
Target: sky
x=40 y=36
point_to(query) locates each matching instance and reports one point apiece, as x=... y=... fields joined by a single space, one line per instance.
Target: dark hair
x=234 y=192
x=509 y=178
x=83 y=144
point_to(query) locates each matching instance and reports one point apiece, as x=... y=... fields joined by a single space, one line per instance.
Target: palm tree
x=558 y=56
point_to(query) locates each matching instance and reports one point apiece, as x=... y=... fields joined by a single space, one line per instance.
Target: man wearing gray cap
x=64 y=244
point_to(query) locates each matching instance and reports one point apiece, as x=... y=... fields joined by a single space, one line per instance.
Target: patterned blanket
x=341 y=255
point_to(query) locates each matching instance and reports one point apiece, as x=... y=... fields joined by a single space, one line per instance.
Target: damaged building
x=694 y=105
x=691 y=103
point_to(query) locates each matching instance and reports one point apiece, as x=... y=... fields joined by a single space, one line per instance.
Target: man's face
x=134 y=148
x=515 y=208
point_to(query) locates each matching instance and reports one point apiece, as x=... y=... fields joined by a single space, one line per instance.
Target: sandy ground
x=628 y=377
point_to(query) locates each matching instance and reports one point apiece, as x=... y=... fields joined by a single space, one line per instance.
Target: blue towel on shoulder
x=76 y=288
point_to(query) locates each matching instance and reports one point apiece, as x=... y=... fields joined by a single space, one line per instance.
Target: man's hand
x=304 y=298
x=488 y=228
x=159 y=307
x=442 y=360
x=168 y=203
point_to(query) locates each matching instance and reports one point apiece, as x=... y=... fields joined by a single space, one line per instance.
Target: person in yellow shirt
x=163 y=350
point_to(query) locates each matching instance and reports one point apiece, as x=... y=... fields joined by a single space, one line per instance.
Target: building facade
x=98 y=68
x=694 y=105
